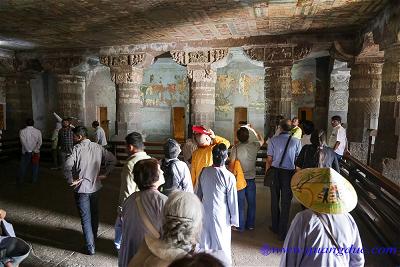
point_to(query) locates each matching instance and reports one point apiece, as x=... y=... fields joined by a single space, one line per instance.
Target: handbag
x=238 y=173
x=35 y=158
x=271 y=172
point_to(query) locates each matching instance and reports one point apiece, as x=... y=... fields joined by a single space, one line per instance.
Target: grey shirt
x=85 y=162
x=246 y=153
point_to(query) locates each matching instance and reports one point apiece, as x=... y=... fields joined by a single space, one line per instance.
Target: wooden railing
x=378 y=201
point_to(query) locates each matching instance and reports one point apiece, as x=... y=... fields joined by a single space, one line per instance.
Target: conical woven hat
x=324 y=190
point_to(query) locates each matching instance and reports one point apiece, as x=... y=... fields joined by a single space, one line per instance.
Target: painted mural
x=239 y=84
x=164 y=86
x=156 y=93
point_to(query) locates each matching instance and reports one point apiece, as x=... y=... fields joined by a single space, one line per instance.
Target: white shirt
x=31 y=139
x=100 y=136
x=338 y=134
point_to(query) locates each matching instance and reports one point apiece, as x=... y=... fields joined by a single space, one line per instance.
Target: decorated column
x=278 y=61
x=70 y=87
x=364 y=94
x=386 y=155
x=202 y=79
x=127 y=73
x=18 y=95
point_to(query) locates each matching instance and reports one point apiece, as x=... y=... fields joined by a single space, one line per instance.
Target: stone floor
x=45 y=215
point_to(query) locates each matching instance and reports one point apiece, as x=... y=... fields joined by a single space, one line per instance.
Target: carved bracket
x=279 y=54
x=198 y=57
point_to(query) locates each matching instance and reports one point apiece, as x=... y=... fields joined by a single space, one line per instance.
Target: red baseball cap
x=200 y=129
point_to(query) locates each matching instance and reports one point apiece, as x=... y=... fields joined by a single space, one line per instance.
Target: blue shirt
x=276 y=147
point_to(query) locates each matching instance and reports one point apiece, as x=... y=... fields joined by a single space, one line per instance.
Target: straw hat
x=324 y=190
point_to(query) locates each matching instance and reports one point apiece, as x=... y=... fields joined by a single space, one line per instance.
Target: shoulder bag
x=271 y=172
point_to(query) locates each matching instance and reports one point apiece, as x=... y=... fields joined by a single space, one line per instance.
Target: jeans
x=241 y=202
x=281 y=193
x=250 y=191
x=339 y=157
x=26 y=159
x=88 y=206
x=118 y=232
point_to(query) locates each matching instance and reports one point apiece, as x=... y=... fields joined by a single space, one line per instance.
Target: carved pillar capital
x=126 y=68
x=386 y=29
x=278 y=54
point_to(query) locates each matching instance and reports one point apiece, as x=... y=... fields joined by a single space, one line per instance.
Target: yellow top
x=202 y=157
x=296 y=132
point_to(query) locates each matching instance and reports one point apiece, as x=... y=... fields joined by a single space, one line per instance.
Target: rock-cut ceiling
x=27 y=24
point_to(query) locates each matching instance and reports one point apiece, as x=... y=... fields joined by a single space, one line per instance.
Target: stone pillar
x=278 y=95
x=202 y=95
x=363 y=110
x=202 y=79
x=278 y=61
x=19 y=103
x=364 y=94
x=127 y=73
x=321 y=108
x=71 y=96
x=386 y=157
x=70 y=87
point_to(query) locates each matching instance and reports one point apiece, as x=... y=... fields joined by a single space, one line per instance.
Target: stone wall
x=164 y=86
x=100 y=92
x=239 y=84
x=303 y=85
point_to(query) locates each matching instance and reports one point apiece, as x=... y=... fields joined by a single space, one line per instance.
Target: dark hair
x=308 y=127
x=135 y=139
x=286 y=125
x=197 y=260
x=95 y=124
x=220 y=154
x=336 y=118
x=80 y=130
x=278 y=119
x=295 y=118
x=318 y=138
x=65 y=120
x=242 y=134
x=29 y=122
x=145 y=173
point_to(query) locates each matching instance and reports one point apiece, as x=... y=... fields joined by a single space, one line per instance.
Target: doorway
x=178 y=123
x=240 y=119
x=103 y=120
x=305 y=113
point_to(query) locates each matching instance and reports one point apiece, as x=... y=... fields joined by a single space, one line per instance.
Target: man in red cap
x=202 y=156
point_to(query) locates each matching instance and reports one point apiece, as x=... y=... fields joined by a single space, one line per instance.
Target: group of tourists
x=173 y=210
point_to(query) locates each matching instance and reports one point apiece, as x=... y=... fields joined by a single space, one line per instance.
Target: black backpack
x=166 y=167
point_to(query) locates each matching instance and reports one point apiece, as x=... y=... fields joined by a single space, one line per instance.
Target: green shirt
x=296 y=132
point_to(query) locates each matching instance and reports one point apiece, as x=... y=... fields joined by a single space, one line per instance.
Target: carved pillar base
x=278 y=95
x=363 y=112
x=202 y=95
x=19 y=103
x=386 y=156
x=128 y=102
x=71 y=96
